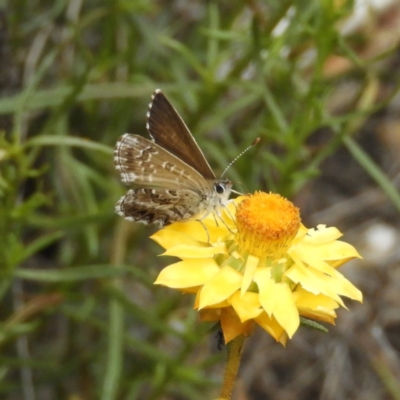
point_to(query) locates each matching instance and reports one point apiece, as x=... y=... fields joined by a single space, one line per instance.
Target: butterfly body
x=172 y=179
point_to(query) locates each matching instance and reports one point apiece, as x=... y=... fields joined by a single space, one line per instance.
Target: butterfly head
x=222 y=190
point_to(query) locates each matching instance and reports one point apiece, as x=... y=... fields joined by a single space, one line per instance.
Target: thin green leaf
x=373 y=170
x=71 y=274
x=69 y=141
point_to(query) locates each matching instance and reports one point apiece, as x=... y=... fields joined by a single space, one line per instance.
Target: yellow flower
x=257 y=264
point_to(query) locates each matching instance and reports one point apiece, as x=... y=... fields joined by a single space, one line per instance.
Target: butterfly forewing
x=168 y=130
x=143 y=163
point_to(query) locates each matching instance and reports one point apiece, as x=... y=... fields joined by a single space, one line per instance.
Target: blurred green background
x=317 y=81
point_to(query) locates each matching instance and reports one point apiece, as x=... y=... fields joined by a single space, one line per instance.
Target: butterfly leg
x=205 y=228
x=217 y=217
x=227 y=209
x=222 y=220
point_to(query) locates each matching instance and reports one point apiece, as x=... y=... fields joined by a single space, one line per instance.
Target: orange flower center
x=266 y=223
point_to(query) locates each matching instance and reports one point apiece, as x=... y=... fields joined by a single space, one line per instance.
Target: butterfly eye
x=219 y=188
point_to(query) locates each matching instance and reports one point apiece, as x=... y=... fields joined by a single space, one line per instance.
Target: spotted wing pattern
x=144 y=163
x=160 y=206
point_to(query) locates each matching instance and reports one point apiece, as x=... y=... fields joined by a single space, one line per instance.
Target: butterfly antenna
x=256 y=141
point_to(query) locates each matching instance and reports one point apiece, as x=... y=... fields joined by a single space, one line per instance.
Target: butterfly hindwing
x=158 y=205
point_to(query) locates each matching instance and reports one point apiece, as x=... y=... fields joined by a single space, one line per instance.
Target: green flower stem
x=232 y=367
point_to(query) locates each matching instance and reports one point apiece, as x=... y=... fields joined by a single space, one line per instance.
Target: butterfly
x=172 y=179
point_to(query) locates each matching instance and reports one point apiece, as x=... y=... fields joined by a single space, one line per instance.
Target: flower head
x=257 y=264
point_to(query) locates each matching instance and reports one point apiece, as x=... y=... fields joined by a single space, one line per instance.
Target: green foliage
x=77 y=280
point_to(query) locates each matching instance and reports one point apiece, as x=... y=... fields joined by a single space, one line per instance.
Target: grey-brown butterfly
x=173 y=180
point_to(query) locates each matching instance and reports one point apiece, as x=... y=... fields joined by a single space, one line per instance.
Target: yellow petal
x=302 y=231
x=345 y=288
x=277 y=300
x=312 y=282
x=168 y=237
x=231 y=325
x=220 y=287
x=318 y=282
x=250 y=268
x=322 y=234
x=196 y=304
x=210 y=314
x=326 y=251
x=285 y=310
x=266 y=284
x=271 y=326
x=317 y=263
x=198 y=230
x=185 y=251
x=191 y=290
x=337 y=263
x=316 y=307
x=247 y=306
x=188 y=273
